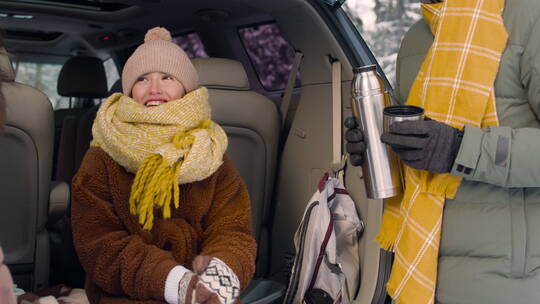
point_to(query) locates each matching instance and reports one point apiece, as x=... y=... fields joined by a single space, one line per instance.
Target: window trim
x=347 y=35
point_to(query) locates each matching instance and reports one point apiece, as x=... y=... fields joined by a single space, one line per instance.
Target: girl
x=159 y=213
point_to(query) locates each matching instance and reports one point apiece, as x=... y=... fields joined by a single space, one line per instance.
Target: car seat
x=25 y=180
x=81 y=77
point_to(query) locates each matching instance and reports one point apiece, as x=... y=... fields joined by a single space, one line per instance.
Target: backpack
x=326 y=267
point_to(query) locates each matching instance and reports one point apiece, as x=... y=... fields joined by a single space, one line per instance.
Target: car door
x=375 y=263
x=376 y=268
x=371 y=33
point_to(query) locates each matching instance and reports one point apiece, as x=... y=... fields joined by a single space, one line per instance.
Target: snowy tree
x=382 y=24
x=44 y=77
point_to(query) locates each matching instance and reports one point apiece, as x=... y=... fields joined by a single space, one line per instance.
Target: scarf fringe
x=385 y=242
x=156 y=183
x=387 y=238
x=391 y=290
x=392 y=221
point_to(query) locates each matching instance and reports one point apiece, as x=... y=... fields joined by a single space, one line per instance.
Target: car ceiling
x=81 y=29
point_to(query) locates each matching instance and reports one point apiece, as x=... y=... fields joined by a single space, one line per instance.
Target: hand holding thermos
x=356 y=145
x=422 y=144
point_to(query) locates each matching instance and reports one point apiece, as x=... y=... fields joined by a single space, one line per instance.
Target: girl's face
x=156 y=88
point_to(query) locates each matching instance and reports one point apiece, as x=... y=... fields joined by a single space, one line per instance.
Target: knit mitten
x=217 y=283
x=75 y=296
x=186 y=286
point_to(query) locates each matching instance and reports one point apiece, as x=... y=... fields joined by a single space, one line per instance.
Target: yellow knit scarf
x=455 y=86
x=171 y=144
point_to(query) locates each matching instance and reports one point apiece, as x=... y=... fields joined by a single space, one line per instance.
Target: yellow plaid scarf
x=174 y=143
x=454 y=86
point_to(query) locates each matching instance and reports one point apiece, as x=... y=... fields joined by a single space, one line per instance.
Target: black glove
x=424 y=144
x=356 y=146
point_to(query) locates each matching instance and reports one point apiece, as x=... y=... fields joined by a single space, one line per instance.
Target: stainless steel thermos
x=369 y=98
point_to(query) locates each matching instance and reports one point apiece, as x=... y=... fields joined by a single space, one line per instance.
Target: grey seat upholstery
x=84 y=128
x=83 y=134
x=252 y=123
x=81 y=77
x=25 y=172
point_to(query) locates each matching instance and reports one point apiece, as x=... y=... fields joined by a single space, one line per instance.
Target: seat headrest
x=84 y=77
x=5 y=65
x=221 y=73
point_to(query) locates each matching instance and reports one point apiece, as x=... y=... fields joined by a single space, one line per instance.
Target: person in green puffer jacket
x=490 y=239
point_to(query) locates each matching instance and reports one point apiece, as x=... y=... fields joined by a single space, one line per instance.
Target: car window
x=382 y=24
x=269 y=52
x=44 y=77
x=111 y=71
x=191 y=43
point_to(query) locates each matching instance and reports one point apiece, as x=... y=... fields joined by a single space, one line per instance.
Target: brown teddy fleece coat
x=124 y=263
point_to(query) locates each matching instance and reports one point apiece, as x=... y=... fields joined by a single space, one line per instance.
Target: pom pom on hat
x=159 y=54
x=157 y=33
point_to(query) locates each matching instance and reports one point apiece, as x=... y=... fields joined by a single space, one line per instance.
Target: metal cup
x=393 y=114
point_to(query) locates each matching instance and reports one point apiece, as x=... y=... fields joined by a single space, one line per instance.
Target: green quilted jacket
x=490 y=243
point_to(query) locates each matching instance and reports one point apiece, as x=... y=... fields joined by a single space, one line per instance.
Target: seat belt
x=286 y=101
x=338 y=158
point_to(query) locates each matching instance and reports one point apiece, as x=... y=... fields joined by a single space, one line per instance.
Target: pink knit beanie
x=159 y=54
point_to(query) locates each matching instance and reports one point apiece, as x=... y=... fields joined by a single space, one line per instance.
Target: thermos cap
x=365 y=68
